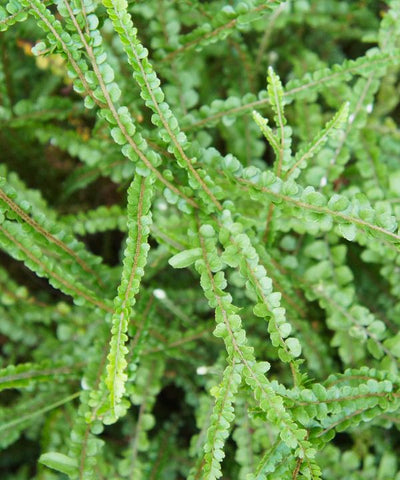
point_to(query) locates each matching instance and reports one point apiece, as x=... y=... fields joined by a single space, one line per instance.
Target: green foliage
x=199 y=207
x=135 y=256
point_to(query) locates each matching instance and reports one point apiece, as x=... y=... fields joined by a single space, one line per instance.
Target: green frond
x=139 y=220
x=223 y=22
x=154 y=98
x=297 y=89
x=28 y=374
x=331 y=127
x=42 y=224
x=221 y=418
x=353 y=216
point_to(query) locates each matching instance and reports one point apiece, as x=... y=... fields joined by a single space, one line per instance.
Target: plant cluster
x=200 y=245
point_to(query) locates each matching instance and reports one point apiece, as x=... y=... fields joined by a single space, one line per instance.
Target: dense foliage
x=200 y=250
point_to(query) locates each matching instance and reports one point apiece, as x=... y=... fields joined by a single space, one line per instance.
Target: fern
x=200 y=245
x=139 y=199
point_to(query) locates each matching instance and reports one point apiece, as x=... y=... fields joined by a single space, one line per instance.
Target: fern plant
x=200 y=242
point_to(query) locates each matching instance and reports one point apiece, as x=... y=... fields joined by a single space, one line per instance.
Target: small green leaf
x=294 y=346
x=348 y=230
x=120 y=4
x=118 y=136
x=393 y=344
x=394 y=182
x=260 y=310
x=60 y=462
x=185 y=258
x=207 y=230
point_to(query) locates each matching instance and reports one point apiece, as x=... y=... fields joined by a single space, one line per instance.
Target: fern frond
x=229 y=328
x=139 y=220
x=16 y=15
x=276 y=454
x=352 y=216
x=296 y=89
x=14 y=241
x=28 y=374
x=39 y=223
x=239 y=251
x=154 y=98
x=98 y=220
x=223 y=23
x=105 y=93
x=336 y=123
x=221 y=419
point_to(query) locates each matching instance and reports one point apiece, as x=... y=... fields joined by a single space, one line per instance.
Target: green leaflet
x=58 y=461
x=185 y=258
